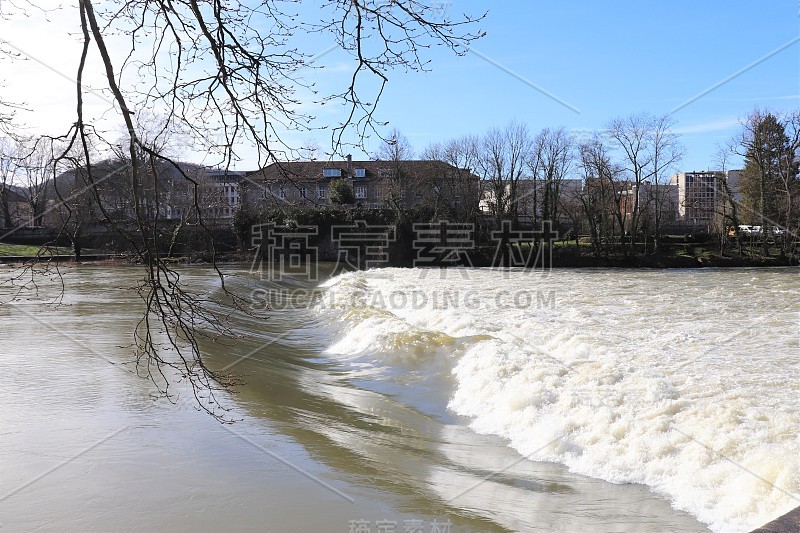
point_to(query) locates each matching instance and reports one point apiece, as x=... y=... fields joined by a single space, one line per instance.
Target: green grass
x=571 y=242
x=25 y=250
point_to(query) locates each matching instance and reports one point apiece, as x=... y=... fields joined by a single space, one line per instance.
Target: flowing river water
x=411 y=400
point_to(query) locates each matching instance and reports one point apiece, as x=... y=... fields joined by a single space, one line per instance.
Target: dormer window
x=332 y=172
x=360 y=173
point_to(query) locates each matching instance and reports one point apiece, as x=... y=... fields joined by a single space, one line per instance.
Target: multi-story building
x=376 y=184
x=168 y=192
x=702 y=195
x=221 y=191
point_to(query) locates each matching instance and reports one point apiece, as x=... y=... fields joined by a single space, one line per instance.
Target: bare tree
x=648 y=149
x=666 y=152
x=72 y=212
x=550 y=162
x=600 y=197
x=463 y=153
x=9 y=161
x=37 y=169
x=727 y=215
x=395 y=150
x=234 y=78
x=631 y=136
x=454 y=190
x=7 y=108
x=395 y=147
x=504 y=154
x=570 y=204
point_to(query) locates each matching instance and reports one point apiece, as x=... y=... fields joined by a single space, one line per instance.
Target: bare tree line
x=610 y=186
x=615 y=185
x=25 y=163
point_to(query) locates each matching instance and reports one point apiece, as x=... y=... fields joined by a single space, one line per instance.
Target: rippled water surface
x=491 y=400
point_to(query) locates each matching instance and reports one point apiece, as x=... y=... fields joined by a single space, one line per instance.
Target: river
x=400 y=399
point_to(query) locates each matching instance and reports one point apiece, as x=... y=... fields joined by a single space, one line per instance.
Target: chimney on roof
x=349 y=166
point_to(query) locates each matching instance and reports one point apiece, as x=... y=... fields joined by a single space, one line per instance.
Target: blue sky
x=606 y=59
x=602 y=59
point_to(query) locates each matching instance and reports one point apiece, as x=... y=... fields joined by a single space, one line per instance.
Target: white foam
x=631 y=377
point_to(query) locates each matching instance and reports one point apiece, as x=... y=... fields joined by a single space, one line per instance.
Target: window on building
x=332 y=172
x=321 y=191
x=360 y=172
x=303 y=192
x=281 y=193
x=361 y=191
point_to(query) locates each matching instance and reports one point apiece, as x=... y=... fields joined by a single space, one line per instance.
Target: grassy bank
x=27 y=250
x=29 y=253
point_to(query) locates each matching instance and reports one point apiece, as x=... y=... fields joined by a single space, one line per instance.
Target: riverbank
x=701 y=258
x=672 y=253
x=90 y=258
x=560 y=255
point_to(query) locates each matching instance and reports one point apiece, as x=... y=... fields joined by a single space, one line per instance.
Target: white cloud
x=708 y=126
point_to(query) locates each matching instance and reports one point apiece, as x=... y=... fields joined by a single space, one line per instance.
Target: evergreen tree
x=767 y=153
x=340 y=191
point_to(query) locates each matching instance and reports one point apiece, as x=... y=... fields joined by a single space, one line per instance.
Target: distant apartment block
x=702 y=195
x=181 y=192
x=376 y=184
x=221 y=190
